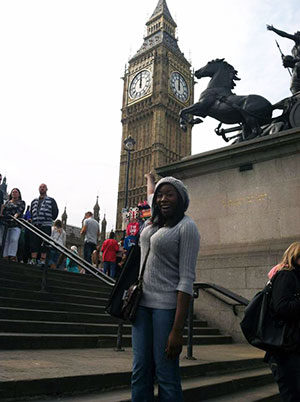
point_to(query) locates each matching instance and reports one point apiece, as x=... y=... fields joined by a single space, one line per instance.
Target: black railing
x=48 y=240
x=212 y=289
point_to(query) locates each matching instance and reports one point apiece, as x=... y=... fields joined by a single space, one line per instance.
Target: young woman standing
x=170 y=244
x=13 y=207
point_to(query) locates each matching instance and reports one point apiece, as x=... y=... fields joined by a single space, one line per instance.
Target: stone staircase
x=71 y=316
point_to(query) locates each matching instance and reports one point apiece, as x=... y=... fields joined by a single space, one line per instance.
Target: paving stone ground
x=35 y=364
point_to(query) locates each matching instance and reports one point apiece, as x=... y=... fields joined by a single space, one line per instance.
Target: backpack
x=263 y=329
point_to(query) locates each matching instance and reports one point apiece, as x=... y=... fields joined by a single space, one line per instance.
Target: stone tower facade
x=158 y=83
x=97 y=210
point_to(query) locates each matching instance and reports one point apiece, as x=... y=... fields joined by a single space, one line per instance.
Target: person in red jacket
x=109 y=249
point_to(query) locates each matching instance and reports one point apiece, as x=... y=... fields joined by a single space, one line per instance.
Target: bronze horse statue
x=218 y=101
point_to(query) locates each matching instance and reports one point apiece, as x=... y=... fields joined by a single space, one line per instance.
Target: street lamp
x=129 y=143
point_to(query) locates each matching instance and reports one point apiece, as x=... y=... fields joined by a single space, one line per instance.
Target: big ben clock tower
x=158 y=83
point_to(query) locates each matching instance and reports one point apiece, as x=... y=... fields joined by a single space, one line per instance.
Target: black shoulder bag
x=263 y=329
x=128 y=290
x=129 y=275
x=133 y=295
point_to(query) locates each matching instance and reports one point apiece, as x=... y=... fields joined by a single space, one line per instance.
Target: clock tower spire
x=158 y=83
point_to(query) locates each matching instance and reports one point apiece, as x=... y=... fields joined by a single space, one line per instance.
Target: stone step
x=18 y=298
x=20 y=341
x=72 y=382
x=59 y=297
x=52 y=305
x=35 y=271
x=65 y=328
x=264 y=393
x=53 y=280
x=211 y=382
x=198 y=389
x=52 y=327
x=55 y=289
x=8 y=313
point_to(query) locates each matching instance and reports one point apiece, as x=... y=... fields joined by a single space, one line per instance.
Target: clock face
x=140 y=84
x=179 y=86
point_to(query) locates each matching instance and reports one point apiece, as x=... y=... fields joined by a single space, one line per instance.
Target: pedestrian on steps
x=15 y=206
x=43 y=212
x=90 y=230
x=109 y=249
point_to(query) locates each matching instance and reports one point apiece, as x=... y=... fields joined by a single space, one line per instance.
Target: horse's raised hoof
x=197 y=121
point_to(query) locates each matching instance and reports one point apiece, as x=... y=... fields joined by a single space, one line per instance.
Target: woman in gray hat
x=171 y=242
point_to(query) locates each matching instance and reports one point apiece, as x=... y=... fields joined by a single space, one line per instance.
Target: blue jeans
x=150 y=333
x=109 y=268
x=88 y=249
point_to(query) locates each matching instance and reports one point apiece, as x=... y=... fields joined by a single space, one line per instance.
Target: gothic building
x=97 y=210
x=158 y=83
x=74 y=237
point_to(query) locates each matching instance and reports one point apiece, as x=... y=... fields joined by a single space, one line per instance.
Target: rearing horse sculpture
x=218 y=101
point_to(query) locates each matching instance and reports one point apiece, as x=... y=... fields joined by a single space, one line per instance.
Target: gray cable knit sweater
x=171 y=262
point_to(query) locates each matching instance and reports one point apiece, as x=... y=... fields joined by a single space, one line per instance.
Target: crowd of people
x=22 y=245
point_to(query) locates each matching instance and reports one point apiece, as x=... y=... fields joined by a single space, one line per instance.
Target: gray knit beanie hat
x=180 y=187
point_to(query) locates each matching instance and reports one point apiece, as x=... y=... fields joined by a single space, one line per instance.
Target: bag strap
x=140 y=280
x=144 y=266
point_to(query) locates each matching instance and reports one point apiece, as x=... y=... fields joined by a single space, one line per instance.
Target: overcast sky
x=61 y=88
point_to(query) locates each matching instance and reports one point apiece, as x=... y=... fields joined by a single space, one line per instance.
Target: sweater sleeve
x=189 y=243
x=285 y=304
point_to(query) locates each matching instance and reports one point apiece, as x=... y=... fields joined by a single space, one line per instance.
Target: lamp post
x=129 y=143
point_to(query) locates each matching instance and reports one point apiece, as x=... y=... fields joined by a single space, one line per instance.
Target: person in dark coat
x=285 y=303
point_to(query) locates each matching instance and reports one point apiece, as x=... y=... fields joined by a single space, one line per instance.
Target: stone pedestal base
x=245 y=200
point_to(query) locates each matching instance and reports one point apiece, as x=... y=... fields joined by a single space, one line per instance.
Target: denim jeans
x=12 y=240
x=109 y=268
x=150 y=333
x=88 y=249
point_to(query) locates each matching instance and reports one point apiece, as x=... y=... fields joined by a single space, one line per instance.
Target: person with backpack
x=285 y=303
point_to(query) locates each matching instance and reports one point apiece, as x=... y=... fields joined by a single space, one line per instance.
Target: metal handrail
x=208 y=286
x=76 y=258
x=225 y=292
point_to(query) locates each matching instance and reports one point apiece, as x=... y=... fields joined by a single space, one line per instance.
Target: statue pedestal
x=245 y=200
